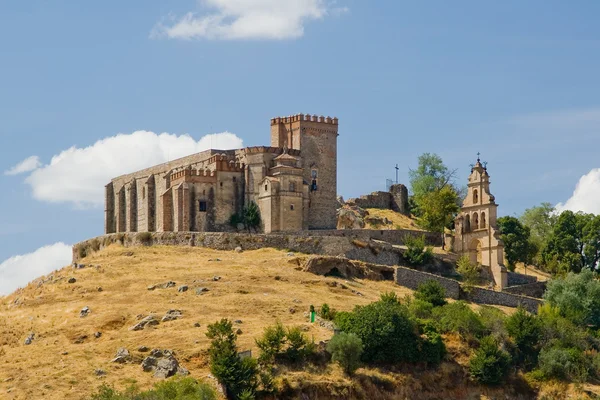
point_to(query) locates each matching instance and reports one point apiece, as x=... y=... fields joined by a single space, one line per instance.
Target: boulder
x=85 y=311
x=172 y=315
x=163 y=363
x=201 y=290
x=72 y=280
x=150 y=320
x=238 y=249
x=29 y=339
x=182 y=288
x=350 y=217
x=122 y=356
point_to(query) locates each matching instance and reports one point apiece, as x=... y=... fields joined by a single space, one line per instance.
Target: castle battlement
x=304 y=117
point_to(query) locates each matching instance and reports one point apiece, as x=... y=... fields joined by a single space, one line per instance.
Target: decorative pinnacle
x=478 y=154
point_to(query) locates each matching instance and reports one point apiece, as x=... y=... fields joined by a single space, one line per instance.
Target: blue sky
x=516 y=81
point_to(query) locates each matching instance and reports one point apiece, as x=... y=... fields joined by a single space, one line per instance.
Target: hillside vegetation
x=254 y=289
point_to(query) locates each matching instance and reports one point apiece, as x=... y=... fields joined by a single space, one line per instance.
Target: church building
x=293 y=181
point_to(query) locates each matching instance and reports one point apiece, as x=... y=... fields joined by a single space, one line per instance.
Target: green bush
x=387 y=332
x=239 y=375
x=469 y=271
x=417 y=253
x=327 y=313
x=419 y=309
x=346 y=350
x=577 y=296
x=433 y=348
x=432 y=292
x=563 y=363
x=458 y=317
x=558 y=330
x=389 y=297
x=490 y=364
x=271 y=343
x=526 y=331
x=299 y=347
x=173 y=389
x=493 y=321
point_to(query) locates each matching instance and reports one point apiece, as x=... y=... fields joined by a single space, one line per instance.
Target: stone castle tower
x=316 y=139
x=293 y=182
x=476 y=231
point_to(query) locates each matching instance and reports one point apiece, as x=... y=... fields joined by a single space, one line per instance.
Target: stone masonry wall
x=374 y=200
x=515 y=278
x=411 y=279
x=484 y=296
x=535 y=289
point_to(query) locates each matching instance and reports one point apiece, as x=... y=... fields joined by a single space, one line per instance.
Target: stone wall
x=514 y=278
x=399 y=199
x=393 y=236
x=484 y=296
x=374 y=200
x=535 y=289
x=411 y=279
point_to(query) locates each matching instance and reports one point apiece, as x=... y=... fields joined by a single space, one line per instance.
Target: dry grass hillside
x=397 y=220
x=257 y=287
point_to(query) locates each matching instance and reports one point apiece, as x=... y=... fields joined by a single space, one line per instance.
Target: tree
x=346 y=349
x=490 y=364
x=251 y=216
x=431 y=175
x=540 y=220
x=239 y=375
x=515 y=237
x=577 y=296
x=574 y=243
x=438 y=209
x=469 y=271
x=432 y=292
x=526 y=331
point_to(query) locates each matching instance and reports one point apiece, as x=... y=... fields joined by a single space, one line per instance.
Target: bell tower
x=476 y=231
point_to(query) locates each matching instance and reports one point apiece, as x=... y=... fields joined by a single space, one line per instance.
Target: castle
x=293 y=182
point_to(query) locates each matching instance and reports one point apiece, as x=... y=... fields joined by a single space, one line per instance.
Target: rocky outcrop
x=351 y=217
x=163 y=363
x=343 y=267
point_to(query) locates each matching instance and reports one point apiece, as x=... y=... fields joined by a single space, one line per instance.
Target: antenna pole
x=397 y=173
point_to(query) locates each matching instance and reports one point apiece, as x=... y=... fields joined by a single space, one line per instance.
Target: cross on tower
x=478 y=154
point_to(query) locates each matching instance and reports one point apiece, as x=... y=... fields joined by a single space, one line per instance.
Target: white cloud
x=586 y=196
x=28 y=164
x=78 y=175
x=19 y=270
x=248 y=19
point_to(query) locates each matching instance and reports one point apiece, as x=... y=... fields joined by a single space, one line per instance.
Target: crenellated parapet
x=304 y=117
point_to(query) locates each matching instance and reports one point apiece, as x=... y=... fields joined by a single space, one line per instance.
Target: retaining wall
x=484 y=296
x=411 y=279
x=393 y=236
x=535 y=289
x=515 y=278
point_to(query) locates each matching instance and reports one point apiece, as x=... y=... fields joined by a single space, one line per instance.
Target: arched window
x=482 y=219
x=475 y=221
x=467 y=223
x=475 y=196
x=292 y=187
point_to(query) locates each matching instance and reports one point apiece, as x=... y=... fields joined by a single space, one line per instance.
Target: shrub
x=299 y=347
x=490 y=364
x=558 y=330
x=468 y=270
x=419 y=309
x=389 y=297
x=271 y=343
x=577 y=296
x=81 y=251
x=327 y=313
x=433 y=349
x=416 y=252
x=346 y=350
x=526 y=331
x=173 y=389
x=432 y=292
x=493 y=321
x=458 y=317
x=144 y=237
x=563 y=363
x=237 y=374
x=387 y=333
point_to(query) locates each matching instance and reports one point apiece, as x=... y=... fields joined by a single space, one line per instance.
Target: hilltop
x=255 y=288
